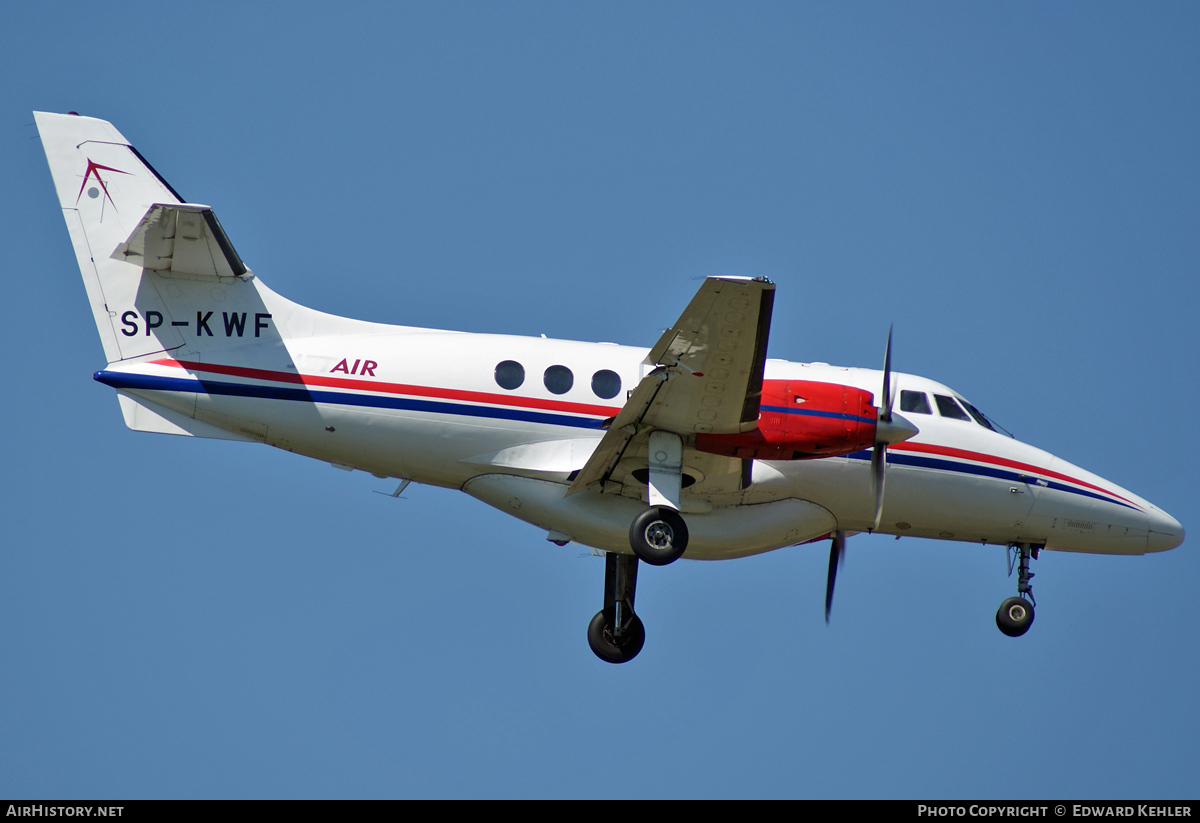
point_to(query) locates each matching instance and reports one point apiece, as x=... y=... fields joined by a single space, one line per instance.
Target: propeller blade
x=886 y=398
x=878 y=473
x=884 y=431
x=837 y=551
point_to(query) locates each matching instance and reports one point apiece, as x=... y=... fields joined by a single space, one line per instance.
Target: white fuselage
x=426 y=405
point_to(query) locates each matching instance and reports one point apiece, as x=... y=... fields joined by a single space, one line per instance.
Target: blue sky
x=1013 y=185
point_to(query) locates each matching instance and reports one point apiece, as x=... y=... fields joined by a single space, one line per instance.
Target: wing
x=708 y=375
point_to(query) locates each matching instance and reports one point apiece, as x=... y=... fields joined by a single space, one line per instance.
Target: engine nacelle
x=801 y=420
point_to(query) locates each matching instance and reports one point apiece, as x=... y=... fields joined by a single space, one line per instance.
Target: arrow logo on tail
x=95 y=168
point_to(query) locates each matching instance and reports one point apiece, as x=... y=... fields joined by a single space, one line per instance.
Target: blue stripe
x=902 y=459
x=811 y=413
x=145 y=382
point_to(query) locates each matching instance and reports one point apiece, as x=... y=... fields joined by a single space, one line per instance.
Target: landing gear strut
x=658 y=535
x=1016 y=613
x=616 y=633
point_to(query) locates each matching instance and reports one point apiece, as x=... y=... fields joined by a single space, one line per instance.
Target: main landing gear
x=658 y=535
x=616 y=633
x=1016 y=613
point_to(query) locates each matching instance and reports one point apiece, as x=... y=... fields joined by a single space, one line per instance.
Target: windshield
x=983 y=420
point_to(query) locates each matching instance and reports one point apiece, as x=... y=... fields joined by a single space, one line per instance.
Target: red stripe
x=562 y=406
x=1001 y=461
x=392 y=388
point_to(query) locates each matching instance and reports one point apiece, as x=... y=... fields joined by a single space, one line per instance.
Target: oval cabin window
x=510 y=374
x=559 y=379
x=606 y=384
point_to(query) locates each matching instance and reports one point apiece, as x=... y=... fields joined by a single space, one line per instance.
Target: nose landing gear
x=616 y=633
x=1016 y=613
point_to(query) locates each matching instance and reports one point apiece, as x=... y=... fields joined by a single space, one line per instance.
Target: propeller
x=879 y=453
x=837 y=553
x=889 y=429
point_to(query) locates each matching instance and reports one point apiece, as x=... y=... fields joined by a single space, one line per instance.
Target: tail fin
x=106 y=190
x=161 y=275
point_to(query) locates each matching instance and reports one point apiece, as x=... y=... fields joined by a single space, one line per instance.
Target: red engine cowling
x=801 y=420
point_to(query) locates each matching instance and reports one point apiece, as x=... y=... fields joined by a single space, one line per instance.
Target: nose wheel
x=1015 y=615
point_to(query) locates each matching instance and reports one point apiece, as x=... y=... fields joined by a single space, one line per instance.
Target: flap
x=624 y=427
x=182 y=239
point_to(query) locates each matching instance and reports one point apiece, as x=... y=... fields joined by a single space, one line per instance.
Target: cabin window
x=510 y=374
x=948 y=408
x=559 y=379
x=915 y=401
x=979 y=416
x=606 y=384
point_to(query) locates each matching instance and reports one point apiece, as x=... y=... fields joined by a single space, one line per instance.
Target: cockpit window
x=915 y=401
x=986 y=421
x=948 y=408
x=979 y=416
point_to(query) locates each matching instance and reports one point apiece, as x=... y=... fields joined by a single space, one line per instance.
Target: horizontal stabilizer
x=182 y=239
x=144 y=416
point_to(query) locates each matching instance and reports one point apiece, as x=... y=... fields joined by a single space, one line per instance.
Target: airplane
x=699 y=447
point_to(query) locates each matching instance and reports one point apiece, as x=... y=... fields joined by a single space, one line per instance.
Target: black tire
x=658 y=536
x=600 y=638
x=1015 y=616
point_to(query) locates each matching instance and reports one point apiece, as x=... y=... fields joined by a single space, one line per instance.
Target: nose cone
x=894 y=431
x=1165 y=531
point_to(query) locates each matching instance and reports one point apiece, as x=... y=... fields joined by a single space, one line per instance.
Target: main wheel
x=658 y=536
x=1015 y=616
x=607 y=648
